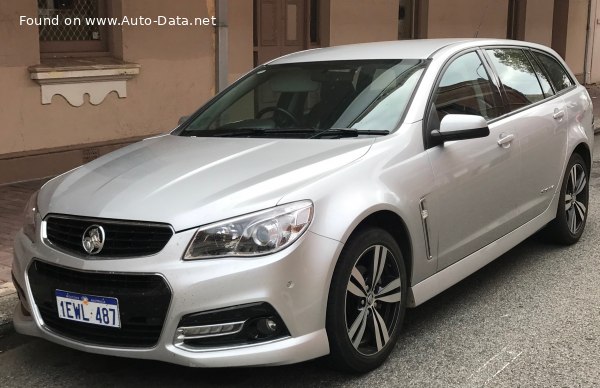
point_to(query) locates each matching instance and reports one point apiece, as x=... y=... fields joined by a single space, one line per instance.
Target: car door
x=539 y=119
x=476 y=192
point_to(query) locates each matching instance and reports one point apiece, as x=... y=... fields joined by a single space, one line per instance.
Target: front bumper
x=294 y=281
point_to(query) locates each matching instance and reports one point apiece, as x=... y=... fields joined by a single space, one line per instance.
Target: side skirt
x=446 y=278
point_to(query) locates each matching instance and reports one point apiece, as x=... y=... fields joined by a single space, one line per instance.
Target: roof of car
x=401 y=49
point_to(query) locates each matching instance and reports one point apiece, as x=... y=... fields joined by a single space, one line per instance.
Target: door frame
x=305 y=38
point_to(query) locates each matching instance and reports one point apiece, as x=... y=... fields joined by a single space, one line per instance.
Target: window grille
x=73 y=10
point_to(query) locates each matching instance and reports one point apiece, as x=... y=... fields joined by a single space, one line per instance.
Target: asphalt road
x=531 y=318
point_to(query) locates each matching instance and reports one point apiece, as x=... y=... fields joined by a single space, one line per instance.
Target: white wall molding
x=74 y=81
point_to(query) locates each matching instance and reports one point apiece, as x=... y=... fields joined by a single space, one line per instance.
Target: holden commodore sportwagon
x=301 y=211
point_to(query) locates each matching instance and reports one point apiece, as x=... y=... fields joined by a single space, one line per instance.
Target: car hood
x=188 y=182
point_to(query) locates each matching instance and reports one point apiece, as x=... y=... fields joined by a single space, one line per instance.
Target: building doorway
x=280 y=27
x=406 y=12
x=412 y=19
x=515 y=28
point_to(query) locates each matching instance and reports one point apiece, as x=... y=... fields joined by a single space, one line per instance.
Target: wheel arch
x=395 y=225
x=584 y=150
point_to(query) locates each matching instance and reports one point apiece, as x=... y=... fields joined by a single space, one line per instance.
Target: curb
x=7 y=306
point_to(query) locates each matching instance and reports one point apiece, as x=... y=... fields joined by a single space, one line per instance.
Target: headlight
x=254 y=234
x=29 y=215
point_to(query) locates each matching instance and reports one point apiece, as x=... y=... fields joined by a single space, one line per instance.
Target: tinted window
x=542 y=77
x=559 y=76
x=518 y=77
x=465 y=88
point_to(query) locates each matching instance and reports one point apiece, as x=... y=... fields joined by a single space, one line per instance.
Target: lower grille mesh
x=143 y=304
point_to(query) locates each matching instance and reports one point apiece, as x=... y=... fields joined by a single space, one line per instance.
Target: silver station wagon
x=301 y=211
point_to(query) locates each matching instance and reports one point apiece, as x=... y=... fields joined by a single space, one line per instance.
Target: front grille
x=122 y=238
x=143 y=304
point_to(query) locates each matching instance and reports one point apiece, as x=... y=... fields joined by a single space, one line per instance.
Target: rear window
x=557 y=73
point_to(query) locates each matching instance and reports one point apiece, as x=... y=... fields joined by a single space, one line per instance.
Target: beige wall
x=594 y=45
x=178 y=63
x=19 y=45
x=357 y=21
x=538 y=21
x=240 y=30
x=467 y=18
x=177 y=75
x=576 y=34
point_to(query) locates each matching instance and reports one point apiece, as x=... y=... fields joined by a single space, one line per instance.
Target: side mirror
x=460 y=127
x=182 y=119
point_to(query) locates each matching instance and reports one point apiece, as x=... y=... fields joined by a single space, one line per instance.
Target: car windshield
x=311 y=100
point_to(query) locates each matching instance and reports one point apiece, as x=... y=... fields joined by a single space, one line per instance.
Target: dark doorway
x=517 y=10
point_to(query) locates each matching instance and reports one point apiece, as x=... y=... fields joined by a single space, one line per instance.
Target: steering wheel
x=277 y=109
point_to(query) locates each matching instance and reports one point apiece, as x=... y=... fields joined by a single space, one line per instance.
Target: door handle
x=505 y=140
x=558 y=114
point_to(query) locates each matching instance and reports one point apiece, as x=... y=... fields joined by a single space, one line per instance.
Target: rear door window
x=517 y=75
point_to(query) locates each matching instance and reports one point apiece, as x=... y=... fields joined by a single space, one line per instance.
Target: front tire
x=571 y=215
x=367 y=301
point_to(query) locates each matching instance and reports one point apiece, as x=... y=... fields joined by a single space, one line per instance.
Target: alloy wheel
x=373 y=300
x=576 y=198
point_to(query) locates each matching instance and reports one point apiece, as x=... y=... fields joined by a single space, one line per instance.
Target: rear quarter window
x=557 y=73
x=517 y=75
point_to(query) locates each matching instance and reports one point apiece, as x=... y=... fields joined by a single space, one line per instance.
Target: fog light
x=266 y=326
x=241 y=325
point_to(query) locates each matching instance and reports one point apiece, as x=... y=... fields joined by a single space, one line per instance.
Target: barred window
x=72 y=33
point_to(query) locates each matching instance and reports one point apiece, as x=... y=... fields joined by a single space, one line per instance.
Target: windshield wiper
x=218 y=132
x=348 y=132
x=307 y=133
x=258 y=132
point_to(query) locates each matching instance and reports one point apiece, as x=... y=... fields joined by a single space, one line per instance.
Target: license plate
x=97 y=310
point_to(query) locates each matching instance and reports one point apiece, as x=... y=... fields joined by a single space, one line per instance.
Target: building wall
x=538 y=21
x=576 y=36
x=176 y=76
x=467 y=18
x=594 y=44
x=240 y=30
x=358 y=21
x=178 y=65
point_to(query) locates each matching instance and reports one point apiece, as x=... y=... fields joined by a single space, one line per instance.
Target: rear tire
x=571 y=215
x=367 y=301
